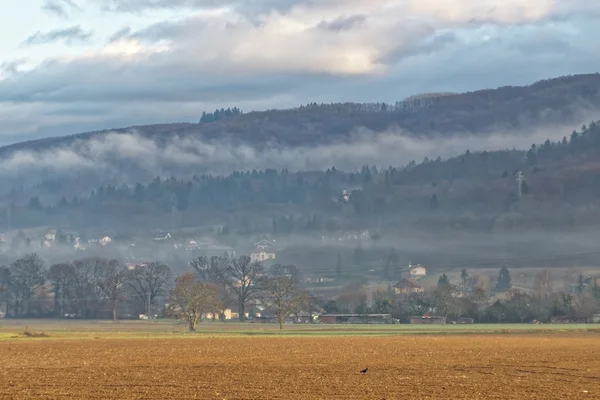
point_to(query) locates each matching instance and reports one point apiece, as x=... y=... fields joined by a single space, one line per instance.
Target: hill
x=564 y=100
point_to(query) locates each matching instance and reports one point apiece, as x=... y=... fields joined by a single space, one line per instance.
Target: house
x=191 y=245
x=428 y=319
x=161 y=237
x=263 y=251
x=417 y=271
x=260 y=255
x=226 y=315
x=104 y=241
x=407 y=286
x=356 y=319
x=50 y=235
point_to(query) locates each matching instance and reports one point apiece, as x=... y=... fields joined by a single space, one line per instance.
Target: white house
x=104 y=241
x=50 y=235
x=162 y=237
x=262 y=254
x=417 y=271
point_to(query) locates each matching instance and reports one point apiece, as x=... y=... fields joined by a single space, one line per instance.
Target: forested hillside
x=473 y=191
x=561 y=100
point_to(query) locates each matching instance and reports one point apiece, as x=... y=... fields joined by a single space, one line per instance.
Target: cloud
x=67 y=35
x=119 y=35
x=60 y=8
x=280 y=53
x=11 y=67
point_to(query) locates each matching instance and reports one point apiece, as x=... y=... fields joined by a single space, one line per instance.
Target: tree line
x=478 y=298
x=98 y=288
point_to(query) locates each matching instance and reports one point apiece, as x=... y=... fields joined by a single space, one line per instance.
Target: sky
x=70 y=66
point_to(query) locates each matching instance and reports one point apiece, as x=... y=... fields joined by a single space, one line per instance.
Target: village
x=415 y=295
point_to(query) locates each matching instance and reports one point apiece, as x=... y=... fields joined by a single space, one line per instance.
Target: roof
x=407 y=283
x=357 y=315
x=264 y=243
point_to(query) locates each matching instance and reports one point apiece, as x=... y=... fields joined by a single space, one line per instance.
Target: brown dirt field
x=405 y=367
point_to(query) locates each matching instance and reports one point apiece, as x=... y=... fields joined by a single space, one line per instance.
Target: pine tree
x=443 y=281
x=464 y=276
x=504 y=280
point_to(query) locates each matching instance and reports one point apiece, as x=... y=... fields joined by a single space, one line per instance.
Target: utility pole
x=520 y=180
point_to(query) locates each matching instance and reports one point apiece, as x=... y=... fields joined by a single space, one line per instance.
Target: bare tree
x=282 y=291
x=243 y=277
x=60 y=276
x=520 y=302
x=190 y=298
x=443 y=298
x=84 y=288
x=149 y=282
x=544 y=284
x=585 y=306
x=112 y=281
x=209 y=269
x=25 y=276
x=480 y=299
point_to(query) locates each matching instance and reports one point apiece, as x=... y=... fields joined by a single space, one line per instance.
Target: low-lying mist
x=129 y=155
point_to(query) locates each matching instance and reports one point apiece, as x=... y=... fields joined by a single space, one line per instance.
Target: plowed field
x=405 y=367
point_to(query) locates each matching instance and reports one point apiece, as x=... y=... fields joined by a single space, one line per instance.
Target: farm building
x=356 y=319
x=427 y=319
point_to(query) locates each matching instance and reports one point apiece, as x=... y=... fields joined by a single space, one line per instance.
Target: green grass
x=64 y=329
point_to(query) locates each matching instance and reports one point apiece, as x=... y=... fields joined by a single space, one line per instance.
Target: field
x=233 y=361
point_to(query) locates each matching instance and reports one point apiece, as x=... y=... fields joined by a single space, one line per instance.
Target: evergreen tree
x=580 y=284
x=504 y=280
x=464 y=276
x=443 y=281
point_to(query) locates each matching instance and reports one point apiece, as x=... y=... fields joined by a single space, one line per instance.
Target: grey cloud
x=11 y=67
x=68 y=35
x=342 y=23
x=120 y=34
x=53 y=7
x=60 y=8
x=214 y=61
x=246 y=6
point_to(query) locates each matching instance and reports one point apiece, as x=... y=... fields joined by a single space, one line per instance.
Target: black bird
x=364 y=371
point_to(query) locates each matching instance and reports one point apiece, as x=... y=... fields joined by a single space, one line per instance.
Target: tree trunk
x=280 y=318
x=192 y=319
x=242 y=310
x=114 y=310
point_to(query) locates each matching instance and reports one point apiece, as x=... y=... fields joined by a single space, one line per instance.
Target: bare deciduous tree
x=112 y=277
x=22 y=280
x=209 y=269
x=585 y=306
x=480 y=298
x=59 y=276
x=283 y=292
x=243 y=277
x=149 y=282
x=85 y=291
x=190 y=298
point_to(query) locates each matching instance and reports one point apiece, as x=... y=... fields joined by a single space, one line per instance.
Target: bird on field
x=364 y=371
